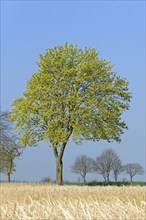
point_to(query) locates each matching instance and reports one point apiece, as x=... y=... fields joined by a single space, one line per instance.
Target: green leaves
x=74 y=93
x=6 y=162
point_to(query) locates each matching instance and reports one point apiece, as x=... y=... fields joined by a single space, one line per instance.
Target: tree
x=133 y=169
x=105 y=163
x=100 y=167
x=8 y=153
x=82 y=166
x=73 y=93
x=5 y=127
x=7 y=165
x=9 y=148
x=117 y=168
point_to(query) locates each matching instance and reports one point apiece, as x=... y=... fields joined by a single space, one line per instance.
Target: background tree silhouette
x=133 y=169
x=82 y=166
x=105 y=163
x=9 y=147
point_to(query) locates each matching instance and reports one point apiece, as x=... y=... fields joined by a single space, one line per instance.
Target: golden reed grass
x=37 y=201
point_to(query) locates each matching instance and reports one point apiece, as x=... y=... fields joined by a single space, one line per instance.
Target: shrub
x=46 y=180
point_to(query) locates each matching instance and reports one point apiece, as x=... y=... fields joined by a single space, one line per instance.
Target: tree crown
x=73 y=92
x=133 y=169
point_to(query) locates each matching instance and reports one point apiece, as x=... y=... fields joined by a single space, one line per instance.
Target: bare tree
x=117 y=168
x=82 y=166
x=9 y=147
x=104 y=163
x=7 y=165
x=133 y=169
x=5 y=127
x=8 y=153
x=99 y=166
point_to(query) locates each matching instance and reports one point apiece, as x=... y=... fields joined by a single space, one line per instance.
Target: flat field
x=37 y=201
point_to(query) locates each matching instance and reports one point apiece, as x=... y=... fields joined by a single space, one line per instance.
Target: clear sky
x=115 y=28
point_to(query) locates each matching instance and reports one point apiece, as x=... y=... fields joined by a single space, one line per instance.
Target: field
x=38 y=201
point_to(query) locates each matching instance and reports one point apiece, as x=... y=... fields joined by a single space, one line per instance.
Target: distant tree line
x=106 y=165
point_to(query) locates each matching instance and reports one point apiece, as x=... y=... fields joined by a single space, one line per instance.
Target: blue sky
x=115 y=28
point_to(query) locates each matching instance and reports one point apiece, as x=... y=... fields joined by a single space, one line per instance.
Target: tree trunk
x=131 y=178
x=59 y=171
x=116 y=178
x=104 y=179
x=58 y=153
x=9 y=177
x=59 y=164
x=10 y=170
x=84 y=179
x=108 y=178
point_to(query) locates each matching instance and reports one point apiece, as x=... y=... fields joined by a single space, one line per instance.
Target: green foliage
x=73 y=92
x=7 y=164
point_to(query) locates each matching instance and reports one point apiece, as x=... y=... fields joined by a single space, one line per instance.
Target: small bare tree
x=105 y=163
x=8 y=153
x=9 y=147
x=5 y=127
x=82 y=166
x=117 y=168
x=133 y=169
x=99 y=166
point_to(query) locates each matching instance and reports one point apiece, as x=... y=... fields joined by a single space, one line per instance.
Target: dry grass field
x=36 y=201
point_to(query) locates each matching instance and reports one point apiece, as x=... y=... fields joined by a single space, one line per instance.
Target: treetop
x=74 y=92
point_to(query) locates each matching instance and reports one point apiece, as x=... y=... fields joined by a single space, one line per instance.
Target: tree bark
x=59 y=164
x=104 y=179
x=116 y=178
x=9 y=177
x=131 y=178
x=59 y=171
x=84 y=179
x=10 y=170
x=108 y=178
x=58 y=153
